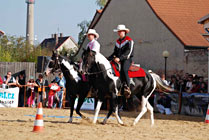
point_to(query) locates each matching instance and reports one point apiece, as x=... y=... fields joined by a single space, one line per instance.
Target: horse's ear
x=54 y=52
x=92 y=53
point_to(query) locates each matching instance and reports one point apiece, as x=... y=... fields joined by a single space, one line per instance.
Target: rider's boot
x=127 y=91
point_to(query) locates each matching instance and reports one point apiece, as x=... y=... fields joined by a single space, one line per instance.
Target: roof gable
x=51 y=42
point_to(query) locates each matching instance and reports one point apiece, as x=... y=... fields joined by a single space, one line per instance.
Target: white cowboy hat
x=121 y=27
x=92 y=31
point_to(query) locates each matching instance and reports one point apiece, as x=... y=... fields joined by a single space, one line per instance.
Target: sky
x=50 y=16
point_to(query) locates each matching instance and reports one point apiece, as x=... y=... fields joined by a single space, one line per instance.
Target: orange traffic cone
x=39 y=123
x=207 y=116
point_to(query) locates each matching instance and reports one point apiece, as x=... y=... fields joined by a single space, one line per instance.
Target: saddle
x=134 y=67
x=134 y=71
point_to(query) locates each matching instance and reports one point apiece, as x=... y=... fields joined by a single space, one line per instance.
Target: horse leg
x=72 y=101
x=109 y=113
x=150 y=108
x=143 y=110
x=80 y=102
x=113 y=108
x=118 y=117
x=99 y=104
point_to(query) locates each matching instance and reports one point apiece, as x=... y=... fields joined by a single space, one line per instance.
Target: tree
x=101 y=3
x=16 y=49
x=84 y=27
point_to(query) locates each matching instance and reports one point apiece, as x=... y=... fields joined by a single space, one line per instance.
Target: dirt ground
x=17 y=124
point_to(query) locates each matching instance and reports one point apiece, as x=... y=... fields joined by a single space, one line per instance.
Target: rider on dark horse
x=93 y=45
x=123 y=53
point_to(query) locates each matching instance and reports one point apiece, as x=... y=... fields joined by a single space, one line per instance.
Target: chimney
x=56 y=39
x=61 y=34
x=30 y=22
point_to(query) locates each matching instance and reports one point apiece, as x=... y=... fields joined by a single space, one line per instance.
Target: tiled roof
x=52 y=40
x=181 y=17
x=61 y=40
x=203 y=19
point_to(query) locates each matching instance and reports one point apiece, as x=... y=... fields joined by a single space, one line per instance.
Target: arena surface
x=17 y=124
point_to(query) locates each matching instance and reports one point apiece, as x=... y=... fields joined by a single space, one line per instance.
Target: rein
x=94 y=73
x=59 y=67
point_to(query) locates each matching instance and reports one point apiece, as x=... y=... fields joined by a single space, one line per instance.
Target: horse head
x=88 y=58
x=53 y=64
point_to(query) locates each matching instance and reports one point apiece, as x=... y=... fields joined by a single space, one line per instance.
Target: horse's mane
x=101 y=59
x=71 y=66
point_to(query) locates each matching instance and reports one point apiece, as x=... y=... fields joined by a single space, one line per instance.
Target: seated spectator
x=189 y=86
x=9 y=79
x=30 y=92
x=164 y=104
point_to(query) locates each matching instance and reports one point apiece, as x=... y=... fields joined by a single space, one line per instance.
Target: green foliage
x=16 y=49
x=101 y=3
x=84 y=27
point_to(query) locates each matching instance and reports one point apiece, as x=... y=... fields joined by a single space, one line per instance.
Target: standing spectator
x=174 y=83
x=54 y=87
x=30 y=92
x=195 y=87
x=21 y=82
x=9 y=79
x=41 y=88
x=61 y=82
x=1 y=81
x=164 y=80
x=189 y=84
x=203 y=88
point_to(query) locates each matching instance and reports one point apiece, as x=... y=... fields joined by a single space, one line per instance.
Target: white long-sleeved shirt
x=94 y=46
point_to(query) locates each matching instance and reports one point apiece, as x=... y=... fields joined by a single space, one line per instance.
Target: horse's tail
x=160 y=84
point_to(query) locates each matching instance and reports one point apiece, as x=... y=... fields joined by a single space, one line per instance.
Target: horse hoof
x=70 y=121
x=94 y=122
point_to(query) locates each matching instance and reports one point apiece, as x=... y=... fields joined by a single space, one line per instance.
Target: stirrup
x=127 y=91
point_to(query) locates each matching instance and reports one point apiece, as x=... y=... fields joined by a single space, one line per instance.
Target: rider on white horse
x=123 y=53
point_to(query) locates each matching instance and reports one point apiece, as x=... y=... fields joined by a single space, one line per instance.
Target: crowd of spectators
x=190 y=83
x=35 y=91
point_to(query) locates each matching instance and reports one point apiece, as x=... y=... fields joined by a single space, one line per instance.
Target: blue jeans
x=60 y=97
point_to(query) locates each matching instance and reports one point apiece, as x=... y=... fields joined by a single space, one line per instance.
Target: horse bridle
x=95 y=73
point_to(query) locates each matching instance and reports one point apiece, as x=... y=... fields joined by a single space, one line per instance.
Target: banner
x=9 y=97
x=88 y=104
